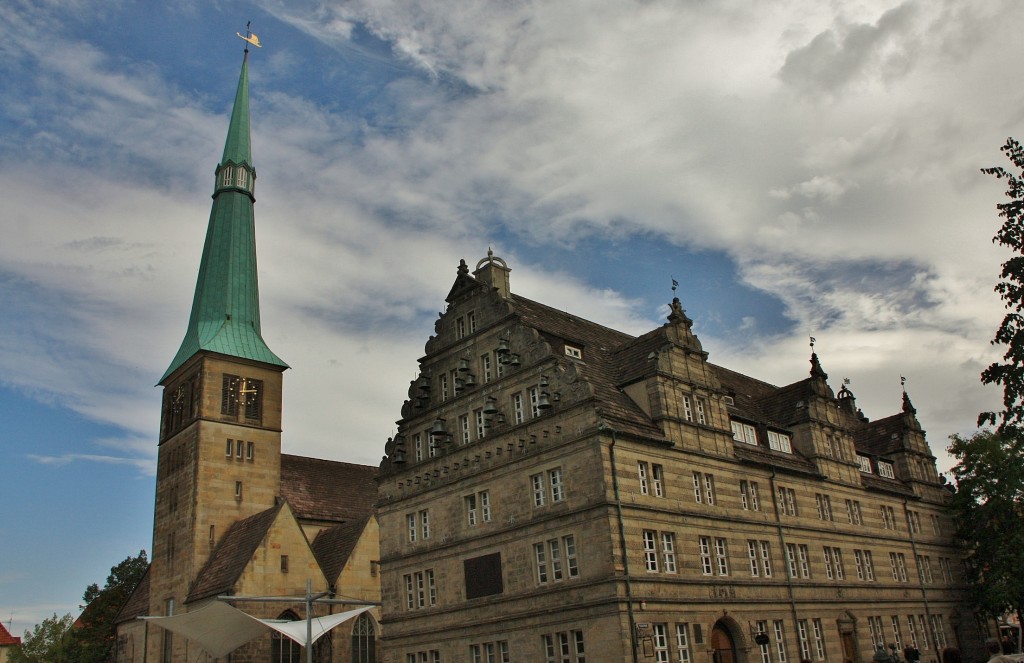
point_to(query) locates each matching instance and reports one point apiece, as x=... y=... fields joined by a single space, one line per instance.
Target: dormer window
x=885 y=470
x=574 y=352
x=745 y=433
x=865 y=464
x=780 y=442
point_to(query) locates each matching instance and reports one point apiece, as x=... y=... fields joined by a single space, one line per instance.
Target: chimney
x=493 y=271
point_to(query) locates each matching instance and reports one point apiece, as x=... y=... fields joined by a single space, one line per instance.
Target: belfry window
x=225 y=176
x=241 y=176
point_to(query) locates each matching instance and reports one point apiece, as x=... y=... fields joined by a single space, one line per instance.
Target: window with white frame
x=704 y=488
x=885 y=469
x=912 y=631
x=443 y=384
x=779 y=442
x=924 y=569
x=478 y=508
x=914 y=522
x=518 y=415
x=787 y=501
x=804 y=639
x=660 y=637
x=824 y=504
x=748 y=495
x=481 y=430
x=853 y=512
x=658 y=480
x=780 y=640
x=425 y=524
x=485 y=367
x=556 y=559
x=745 y=433
x=420 y=591
x=897 y=637
x=722 y=556
x=759 y=554
x=659 y=546
x=819 y=639
x=798 y=559
x=534 y=402
x=865 y=464
x=564 y=647
x=464 y=429
x=539 y=491
x=687 y=408
x=641 y=473
x=683 y=642
x=573 y=351
x=888 y=517
x=702 y=410
x=876 y=631
x=766 y=657
x=557 y=487
x=471 y=321
x=899 y=566
x=833 y=563
x=413 y=522
x=650 y=550
x=706 y=567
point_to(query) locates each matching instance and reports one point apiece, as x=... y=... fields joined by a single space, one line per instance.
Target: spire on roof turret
x=225 y=314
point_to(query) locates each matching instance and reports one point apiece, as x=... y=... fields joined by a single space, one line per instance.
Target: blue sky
x=801 y=168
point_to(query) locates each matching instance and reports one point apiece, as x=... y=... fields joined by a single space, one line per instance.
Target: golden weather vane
x=250 y=36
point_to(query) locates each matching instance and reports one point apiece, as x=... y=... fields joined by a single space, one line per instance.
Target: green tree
x=1010 y=372
x=988 y=507
x=46 y=643
x=93 y=638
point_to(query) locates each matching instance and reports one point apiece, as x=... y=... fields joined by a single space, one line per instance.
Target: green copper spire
x=226 y=308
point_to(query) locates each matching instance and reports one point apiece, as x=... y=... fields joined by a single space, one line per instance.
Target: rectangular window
x=573 y=352
x=722 y=556
x=914 y=521
x=229 y=451
x=284 y=563
x=787 y=501
x=413 y=528
x=564 y=647
x=471 y=321
x=471 y=510
x=641 y=471
x=780 y=640
x=824 y=504
x=650 y=551
x=897 y=637
x=705 y=555
x=420 y=591
x=804 y=556
x=485 y=506
x=239 y=449
x=417 y=443
x=557 y=489
x=898 y=565
x=912 y=631
x=779 y=442
x=745 y=433
x=748 y=495
x=534 y=402
x=661 y=643
x=755 y=566
x=766 y=559
x=657 y=480
x=238 y=490
x=539 y=494
x=683 y=642
x=865 y=464
x=766 y=657
x=853 y=512
x=803 y=638
x=443 y=384
x=819 y=639
x=556 y=559
x=480 y=429
x=704 y=488
x=925 y=640
x=485 y=366
x=668 y=551
x=425 y=524
x=885 y=470
x=876 y=632
x=702 y=411
x=460 y=327
x=464 y=428
x=869 y=567
x=791 y=560
x=517 y=407
x=924 y=569
x=687 y=409
x=250 y=451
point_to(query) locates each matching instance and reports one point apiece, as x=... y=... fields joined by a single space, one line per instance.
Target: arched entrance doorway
x=722 y=644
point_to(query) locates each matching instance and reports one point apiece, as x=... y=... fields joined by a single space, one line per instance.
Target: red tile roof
x=6 y=639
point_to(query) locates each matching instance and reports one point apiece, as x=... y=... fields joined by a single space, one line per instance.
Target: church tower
x=219 y=456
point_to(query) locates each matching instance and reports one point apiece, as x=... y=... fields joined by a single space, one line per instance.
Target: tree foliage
x=1010 y=372
x=93 y=638
x=988 y=508
x=46 y=643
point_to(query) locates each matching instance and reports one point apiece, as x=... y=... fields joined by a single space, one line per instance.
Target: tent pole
x=309 y=621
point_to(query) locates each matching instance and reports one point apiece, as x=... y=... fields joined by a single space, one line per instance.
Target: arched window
x=364 y=648
x=282 y=649
x=226 y=176
x=241 y=176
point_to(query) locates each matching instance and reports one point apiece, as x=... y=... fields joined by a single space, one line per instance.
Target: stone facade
x=560 y=491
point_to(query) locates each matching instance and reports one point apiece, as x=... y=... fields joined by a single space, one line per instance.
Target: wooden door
x=722 y=644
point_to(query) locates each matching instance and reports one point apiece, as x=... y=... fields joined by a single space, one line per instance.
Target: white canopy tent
x=220 y=628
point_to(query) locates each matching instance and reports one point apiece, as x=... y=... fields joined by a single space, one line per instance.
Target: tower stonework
x=219 y=458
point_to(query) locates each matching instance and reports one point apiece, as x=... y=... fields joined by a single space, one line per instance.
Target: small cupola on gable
x=493 y=272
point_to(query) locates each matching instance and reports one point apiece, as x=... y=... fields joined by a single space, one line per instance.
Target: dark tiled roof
x=232 y=554
x=137 y=604
x=327 y=490
x=333 y=546
x=6 y=638
x=764 y=456
x=598 y=367
x=877 y=437
x=891 y=485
